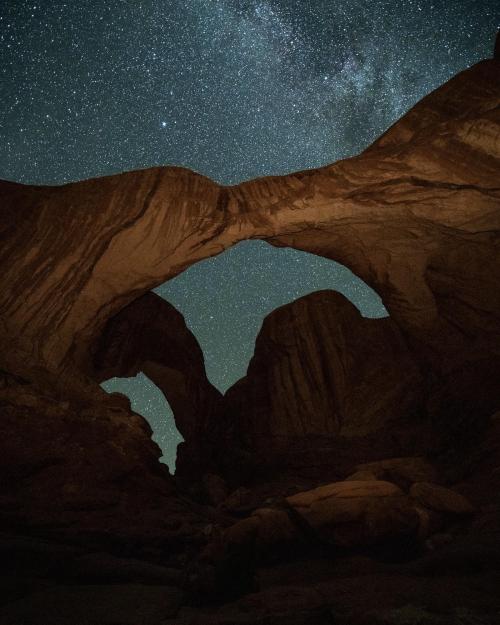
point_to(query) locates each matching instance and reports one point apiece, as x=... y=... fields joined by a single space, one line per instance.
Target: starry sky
x=233 y=89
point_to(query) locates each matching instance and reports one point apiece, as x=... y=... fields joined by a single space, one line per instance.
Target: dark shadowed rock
x=105 y=568
x=322 y=372
x=150 y=336
x=401 y=471
x=440 y=499
x=131 y=604
x=79 y=468
x=215 y=488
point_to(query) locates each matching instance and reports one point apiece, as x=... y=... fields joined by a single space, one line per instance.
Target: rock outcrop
x=327 y=388
x=150 y=336
x=440 y=499
x=344 y=515
x=402 y=471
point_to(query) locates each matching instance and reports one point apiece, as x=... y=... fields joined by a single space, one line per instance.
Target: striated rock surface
x=322 y=372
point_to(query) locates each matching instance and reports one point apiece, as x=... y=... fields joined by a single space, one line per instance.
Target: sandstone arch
x=416 y=216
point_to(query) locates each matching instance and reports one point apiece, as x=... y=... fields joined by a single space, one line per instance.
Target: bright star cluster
x=233 y=89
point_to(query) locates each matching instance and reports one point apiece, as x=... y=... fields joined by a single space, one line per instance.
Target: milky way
x=230 y=89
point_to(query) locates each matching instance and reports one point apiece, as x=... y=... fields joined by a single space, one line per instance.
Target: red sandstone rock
x=82 y=468
x=322 y=370
x=151 y=336
x=344 y=514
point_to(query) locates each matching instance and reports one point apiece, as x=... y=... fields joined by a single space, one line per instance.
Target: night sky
x=232 y=89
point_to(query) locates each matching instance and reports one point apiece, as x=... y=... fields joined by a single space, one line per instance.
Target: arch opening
x=147 y=400
x=224 y=299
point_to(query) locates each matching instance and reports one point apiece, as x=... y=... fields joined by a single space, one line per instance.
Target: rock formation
x=349 y=514
x=150 y=335
x=82 y=495
x=63 y=463
x=326 y=389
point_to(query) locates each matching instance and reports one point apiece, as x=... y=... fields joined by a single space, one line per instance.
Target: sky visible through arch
x=233 y=89
x=224 y=299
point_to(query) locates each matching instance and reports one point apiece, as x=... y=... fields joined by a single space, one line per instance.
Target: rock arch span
x=416 y=216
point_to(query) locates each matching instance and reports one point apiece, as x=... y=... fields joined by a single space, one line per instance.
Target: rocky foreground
x=351 y=477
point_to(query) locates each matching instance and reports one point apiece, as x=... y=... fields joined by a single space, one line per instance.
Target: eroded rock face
x=345 y=515
x=151 y=336
x=324 y=377
x=62 y=463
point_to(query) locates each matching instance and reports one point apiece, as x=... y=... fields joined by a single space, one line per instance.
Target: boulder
x=266 y=527
x=401 y=471
x=440 y=499
x=342 y=514
x=343 y=490
x=362 y=476
x=352 y=514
